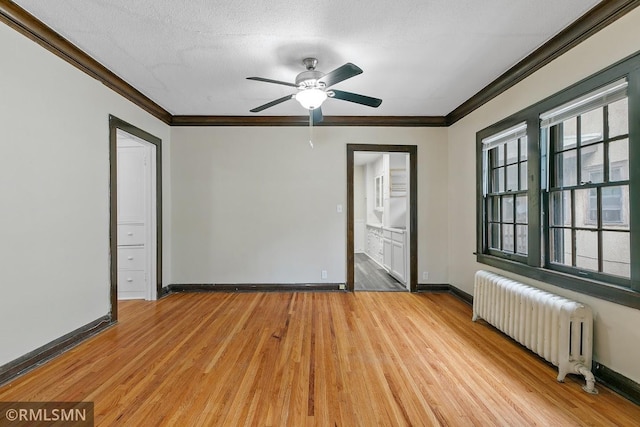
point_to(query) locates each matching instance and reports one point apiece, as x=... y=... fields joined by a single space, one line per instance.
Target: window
x=588 y=142
x=556 y=196
x=505 y=198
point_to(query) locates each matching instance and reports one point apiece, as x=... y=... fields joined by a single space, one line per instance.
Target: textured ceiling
x=421 y=57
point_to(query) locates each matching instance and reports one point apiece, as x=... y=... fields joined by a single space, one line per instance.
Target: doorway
x=136 y=213
x=382 y=240
x=135 y=217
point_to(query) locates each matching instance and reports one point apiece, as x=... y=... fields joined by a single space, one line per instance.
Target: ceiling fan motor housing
x=309 y=79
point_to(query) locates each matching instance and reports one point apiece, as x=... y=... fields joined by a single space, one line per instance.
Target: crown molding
x=588 y=24
x=594 y=20
x=26 y=24
x=390 y=121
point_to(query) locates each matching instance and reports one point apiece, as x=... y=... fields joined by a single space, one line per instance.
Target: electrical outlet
x=343 y=286
x=339 y=208
x=323 y=274
x=425 y=275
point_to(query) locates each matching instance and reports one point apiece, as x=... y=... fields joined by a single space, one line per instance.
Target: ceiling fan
x=313 y=89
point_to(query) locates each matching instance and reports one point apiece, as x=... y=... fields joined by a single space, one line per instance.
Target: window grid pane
x=616 y=250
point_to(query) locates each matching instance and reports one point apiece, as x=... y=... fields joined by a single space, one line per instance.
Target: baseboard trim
x=48 y=351
x=433 y=287
x=256 y=287
x=447 y=288
x=164 y=291
x=622 y=385
x=468 y=298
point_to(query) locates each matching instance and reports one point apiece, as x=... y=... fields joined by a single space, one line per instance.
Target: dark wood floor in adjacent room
x=369 y=276
x=323 y=359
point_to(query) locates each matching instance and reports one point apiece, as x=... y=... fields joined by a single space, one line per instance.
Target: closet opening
x=135 y=213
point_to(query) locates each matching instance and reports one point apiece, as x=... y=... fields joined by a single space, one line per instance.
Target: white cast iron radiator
x=558 y=329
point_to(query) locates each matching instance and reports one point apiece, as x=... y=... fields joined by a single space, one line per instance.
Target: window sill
x=608 y=292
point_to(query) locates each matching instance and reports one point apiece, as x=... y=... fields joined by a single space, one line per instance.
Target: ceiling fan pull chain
x=311 y=128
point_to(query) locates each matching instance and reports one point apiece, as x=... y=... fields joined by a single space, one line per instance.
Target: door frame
x=115 y=124
x=412 y=150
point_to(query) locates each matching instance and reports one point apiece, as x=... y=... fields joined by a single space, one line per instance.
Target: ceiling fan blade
x=317 y=115
x=345 y=72
x=354 y=97
x=278 y=82
x=272 y=103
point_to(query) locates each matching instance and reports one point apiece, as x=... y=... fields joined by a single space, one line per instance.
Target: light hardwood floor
x=324 y=359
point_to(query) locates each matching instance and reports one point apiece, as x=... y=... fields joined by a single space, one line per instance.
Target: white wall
x=359 y=209
x=373 y=169
x=54 y=192
x=395 y=208
x=359 y=194
x=617 y=337
x=258 y=205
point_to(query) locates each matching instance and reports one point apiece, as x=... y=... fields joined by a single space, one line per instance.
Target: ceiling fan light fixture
x=313 y=88
x=311 y=98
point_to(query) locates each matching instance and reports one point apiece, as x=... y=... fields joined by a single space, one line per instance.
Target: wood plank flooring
x=369 y=276
x=313 y=359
